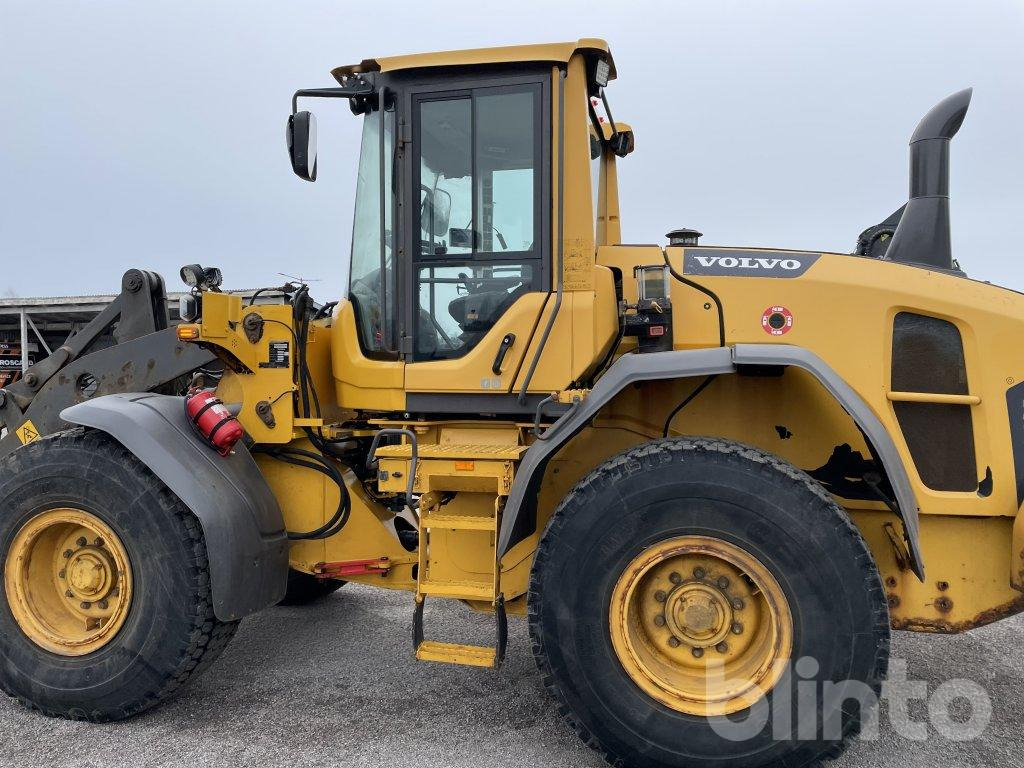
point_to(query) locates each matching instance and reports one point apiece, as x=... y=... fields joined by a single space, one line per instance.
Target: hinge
x=404 y=133
x=405 y=345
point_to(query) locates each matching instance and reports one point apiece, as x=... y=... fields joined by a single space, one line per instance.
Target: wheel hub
x=698 y=615
x=90 y=573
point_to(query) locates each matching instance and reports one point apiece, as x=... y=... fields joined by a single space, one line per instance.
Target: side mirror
x=301 y=136
x=435 y=211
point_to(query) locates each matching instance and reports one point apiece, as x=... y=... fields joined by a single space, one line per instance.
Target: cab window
x=371 y=280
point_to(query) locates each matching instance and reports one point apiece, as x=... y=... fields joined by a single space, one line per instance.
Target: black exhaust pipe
x=922 y=236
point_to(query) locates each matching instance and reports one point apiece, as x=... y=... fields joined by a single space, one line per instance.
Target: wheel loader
x=704 y=475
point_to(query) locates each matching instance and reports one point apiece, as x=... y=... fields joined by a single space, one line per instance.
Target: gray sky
x=151 y=133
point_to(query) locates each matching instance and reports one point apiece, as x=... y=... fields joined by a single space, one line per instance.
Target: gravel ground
x=336 y=684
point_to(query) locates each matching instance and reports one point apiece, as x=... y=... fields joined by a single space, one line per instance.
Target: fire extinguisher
x=212 y=421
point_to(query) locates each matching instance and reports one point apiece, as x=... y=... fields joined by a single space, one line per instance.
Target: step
x=455 y=653
x=458 y=522
x=458 y=590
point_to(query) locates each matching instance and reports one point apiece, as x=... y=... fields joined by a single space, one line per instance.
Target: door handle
x=506 y=344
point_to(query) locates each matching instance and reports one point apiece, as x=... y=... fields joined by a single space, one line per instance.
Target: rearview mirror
x=301 y=136
x=435 y=210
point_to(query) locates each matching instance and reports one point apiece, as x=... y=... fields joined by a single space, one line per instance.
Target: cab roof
x=556 y=53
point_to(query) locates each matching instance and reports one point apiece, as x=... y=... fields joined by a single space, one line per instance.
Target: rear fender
x=520 y=508
x=245 y=535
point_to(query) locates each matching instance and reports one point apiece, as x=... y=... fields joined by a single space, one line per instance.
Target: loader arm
x=146 y=356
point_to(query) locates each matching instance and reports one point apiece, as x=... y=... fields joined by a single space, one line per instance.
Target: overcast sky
x=151 y=133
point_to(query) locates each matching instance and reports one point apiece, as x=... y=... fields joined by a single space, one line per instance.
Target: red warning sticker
x=777 y=321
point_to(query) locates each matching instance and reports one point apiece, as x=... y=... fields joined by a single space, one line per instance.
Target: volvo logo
x=715 y=261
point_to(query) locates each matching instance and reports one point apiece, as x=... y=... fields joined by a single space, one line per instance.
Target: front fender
x=246 y=541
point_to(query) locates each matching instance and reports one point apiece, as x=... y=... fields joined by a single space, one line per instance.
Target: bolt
x=699 y=573
x=944 y=604
x=737 y=628
x=660 y=596
x=86 y=606
x=723 y=583
x=69 y=593
x=890 y=582
x=674 y=577
x=893 y=601
x=82 y=541
x=115 y=592
x=738 y=604
x=659 y=620
x=943 y=586
x=697 y=652
x=31 y=379
x=674 y=642
x=62 y=574
x=722 y=647
x=102 y=604
x=100 y=542
x=67 y=554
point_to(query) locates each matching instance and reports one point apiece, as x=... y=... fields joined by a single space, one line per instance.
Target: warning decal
x=27 y=432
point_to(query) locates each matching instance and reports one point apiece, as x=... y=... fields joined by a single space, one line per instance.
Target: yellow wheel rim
x=68 y=582
x=701 y=625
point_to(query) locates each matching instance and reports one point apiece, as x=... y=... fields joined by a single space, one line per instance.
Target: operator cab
x=460 y=221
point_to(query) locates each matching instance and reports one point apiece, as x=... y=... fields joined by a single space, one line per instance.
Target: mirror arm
x=358 y=88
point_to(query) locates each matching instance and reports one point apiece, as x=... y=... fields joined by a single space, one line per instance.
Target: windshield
x=371 y=283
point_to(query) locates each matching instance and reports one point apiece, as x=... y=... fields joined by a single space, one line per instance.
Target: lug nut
x=102 y=605
x=674 y=577
x=68 y=593
x=674 y=642
x=738 y=603
x=660 y=596
x=699 y=573
x=698 y=653
x=86 y=606
x=722 y=647
x=115 y=592
x=723 y=583
x=659 y=620
x=82 y=541
x=99 y=542
x=737 y=628
x=62 y=574
x=67 y=554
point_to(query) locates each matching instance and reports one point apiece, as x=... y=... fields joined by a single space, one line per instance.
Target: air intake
x=922 y=236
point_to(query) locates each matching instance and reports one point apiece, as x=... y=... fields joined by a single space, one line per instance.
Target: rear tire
x=170 y=633
x=305 y=588
x=684 y=489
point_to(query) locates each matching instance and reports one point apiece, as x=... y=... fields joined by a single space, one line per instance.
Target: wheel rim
x=68 y=581
x=701 y=625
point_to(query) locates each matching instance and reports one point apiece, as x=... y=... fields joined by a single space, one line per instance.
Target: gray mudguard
x=241 y=520
x=629 y=369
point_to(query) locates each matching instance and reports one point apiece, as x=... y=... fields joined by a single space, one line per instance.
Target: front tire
x=107 y=608
x=684 y=562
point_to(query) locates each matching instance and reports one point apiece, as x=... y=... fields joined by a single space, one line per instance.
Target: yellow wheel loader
x=705 y=476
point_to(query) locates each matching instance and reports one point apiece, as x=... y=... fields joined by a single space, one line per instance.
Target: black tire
x=305 y=588
x=170 y=633
x=683 y=486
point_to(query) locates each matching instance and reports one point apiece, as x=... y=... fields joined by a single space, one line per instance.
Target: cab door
x=477 y=221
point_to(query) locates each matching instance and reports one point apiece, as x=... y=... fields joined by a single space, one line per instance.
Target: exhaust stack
x=922 y=236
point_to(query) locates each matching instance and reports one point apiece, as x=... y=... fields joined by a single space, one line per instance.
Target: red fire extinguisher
x=212 y=421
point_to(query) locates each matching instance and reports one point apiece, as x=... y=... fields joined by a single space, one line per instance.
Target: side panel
x=241 y=520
